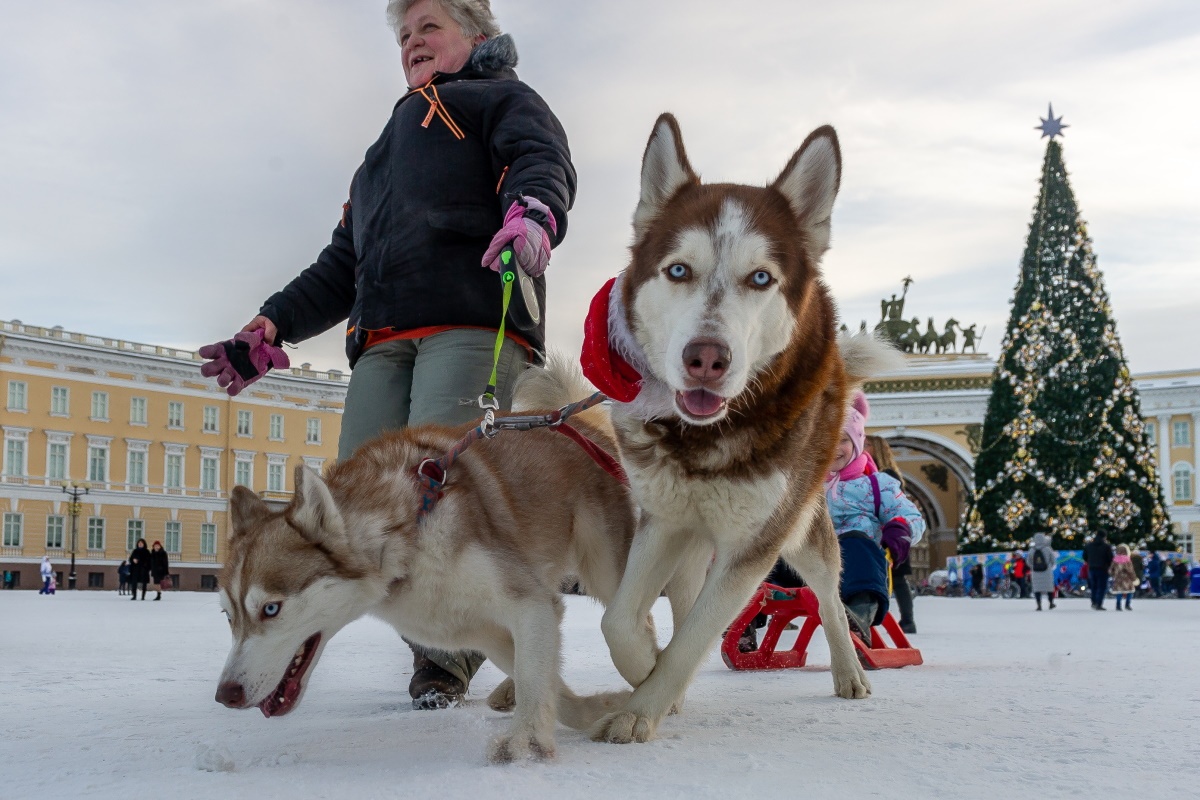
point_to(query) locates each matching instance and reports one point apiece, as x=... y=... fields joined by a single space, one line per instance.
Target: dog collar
x=607 y=369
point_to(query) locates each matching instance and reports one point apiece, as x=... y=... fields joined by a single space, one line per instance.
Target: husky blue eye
x=761 y=278
x=678 y=272
x=271 y=609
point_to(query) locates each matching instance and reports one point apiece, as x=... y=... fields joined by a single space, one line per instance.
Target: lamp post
x=74 y=491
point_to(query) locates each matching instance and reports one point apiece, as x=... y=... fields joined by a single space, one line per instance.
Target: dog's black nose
x=231 y=694
x=707 y=359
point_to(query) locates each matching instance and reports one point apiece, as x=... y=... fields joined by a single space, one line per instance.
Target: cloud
x=167 y=166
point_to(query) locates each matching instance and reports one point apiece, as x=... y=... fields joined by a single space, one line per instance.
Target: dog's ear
x=246 y=510
x=313 y=511
x=665 y=170
x=810 y=183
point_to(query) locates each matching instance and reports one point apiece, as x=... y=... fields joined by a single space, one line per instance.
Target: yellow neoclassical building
x=149 y=448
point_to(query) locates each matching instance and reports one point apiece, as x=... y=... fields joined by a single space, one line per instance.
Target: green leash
x=508 y=276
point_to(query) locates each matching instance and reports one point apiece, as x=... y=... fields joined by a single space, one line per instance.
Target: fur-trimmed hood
x=497 y=54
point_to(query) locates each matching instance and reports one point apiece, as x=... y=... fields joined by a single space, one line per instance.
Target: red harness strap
x=598 y=453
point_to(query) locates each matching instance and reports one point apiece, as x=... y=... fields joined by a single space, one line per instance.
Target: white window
x=100 y=406
x=56 y=461
x=212 y=419
x=98 y=463
x=137 y=411
x=14 y=457
x=1182 y=433
x=172 y=535
x=95 y=540
x=1183 y=482
x=60 y=401
x=175 y=415
x=275 y=477
x=315 y=464
x=210 y=472
x=208 y=539
x=55 y=527
x=313 y=433
x=12 y=530
x=1151 y=434
x=276 y=428
x=134 y=529
x=136 y=475
x=18 y=396
x=243 y=423
x=174 y=473
x=243 y=471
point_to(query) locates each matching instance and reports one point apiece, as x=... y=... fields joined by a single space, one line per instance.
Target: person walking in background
x=159 y=568
x=1020 y=573
x=1139 y=570
x=1098 y=557
x=47 y=575
x=977 y=586
x=1181 y=578
x=1042 y=563
x=1124 y=578
x=1154 y=573
x=122 y=577
x=881 y=452
x=139 y=569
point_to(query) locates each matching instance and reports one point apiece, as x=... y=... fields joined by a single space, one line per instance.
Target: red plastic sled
x=782 y=606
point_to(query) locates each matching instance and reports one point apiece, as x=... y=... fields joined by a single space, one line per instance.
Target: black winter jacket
x=159 y=567
x=139 y=565
x=424 y=205
x=1098 y=554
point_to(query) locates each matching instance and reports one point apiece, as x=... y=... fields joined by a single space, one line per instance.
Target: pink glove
x=525 y=231
x=240 y=361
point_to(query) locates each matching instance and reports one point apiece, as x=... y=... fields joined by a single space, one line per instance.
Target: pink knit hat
x=855 y=425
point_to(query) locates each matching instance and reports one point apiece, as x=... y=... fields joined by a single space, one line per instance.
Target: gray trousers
x=435 y=379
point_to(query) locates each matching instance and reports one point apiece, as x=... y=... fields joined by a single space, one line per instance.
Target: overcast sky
x=165 y=166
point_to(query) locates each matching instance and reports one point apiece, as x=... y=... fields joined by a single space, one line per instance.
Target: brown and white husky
x=719 y=344
x=482 y=571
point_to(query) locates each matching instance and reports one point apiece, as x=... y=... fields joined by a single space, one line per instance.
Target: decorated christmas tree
x=1064 y=448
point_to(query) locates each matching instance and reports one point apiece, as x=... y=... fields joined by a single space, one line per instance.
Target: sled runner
x=781 y=606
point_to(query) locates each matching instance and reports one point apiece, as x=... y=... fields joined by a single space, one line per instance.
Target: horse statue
x=928 y=339
x=947 y=341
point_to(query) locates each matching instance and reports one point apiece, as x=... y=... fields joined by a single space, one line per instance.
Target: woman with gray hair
x=471 y=163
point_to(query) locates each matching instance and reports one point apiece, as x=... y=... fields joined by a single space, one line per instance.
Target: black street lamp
x=74 y=491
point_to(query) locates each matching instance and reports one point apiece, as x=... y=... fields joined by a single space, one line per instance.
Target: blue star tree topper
x=1050 y=126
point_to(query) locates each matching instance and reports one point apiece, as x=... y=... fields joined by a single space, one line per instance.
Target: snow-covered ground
x=102 y=697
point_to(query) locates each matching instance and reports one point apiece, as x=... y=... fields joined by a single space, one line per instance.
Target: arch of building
x=956 y=458
x=941 y=539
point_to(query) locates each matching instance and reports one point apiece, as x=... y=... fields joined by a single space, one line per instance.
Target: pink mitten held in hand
x=527 y=236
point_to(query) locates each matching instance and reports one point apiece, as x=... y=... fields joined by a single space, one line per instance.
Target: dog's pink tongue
x=701 y=402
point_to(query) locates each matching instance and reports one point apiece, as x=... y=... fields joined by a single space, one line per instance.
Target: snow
x=106 y=698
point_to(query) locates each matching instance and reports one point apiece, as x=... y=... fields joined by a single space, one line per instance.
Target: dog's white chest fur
x=720 y=507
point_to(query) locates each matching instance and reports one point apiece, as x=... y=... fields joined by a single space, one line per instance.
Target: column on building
x=1196 y=458
x=1165 y=472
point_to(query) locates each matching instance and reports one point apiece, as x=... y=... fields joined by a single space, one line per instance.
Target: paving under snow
x=102 y=697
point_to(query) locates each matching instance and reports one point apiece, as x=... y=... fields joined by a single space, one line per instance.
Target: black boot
x=143 y=591
x=158 y=596
x=908 y=626
x=748 y=641
x=433 y=687
x=860 y=613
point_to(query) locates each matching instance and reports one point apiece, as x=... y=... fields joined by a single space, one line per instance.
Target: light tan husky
x=482 y=571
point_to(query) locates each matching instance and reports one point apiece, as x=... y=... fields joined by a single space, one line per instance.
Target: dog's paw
x=624 y=727
x=520 y=746
x=851 y=682
x=503 y=697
